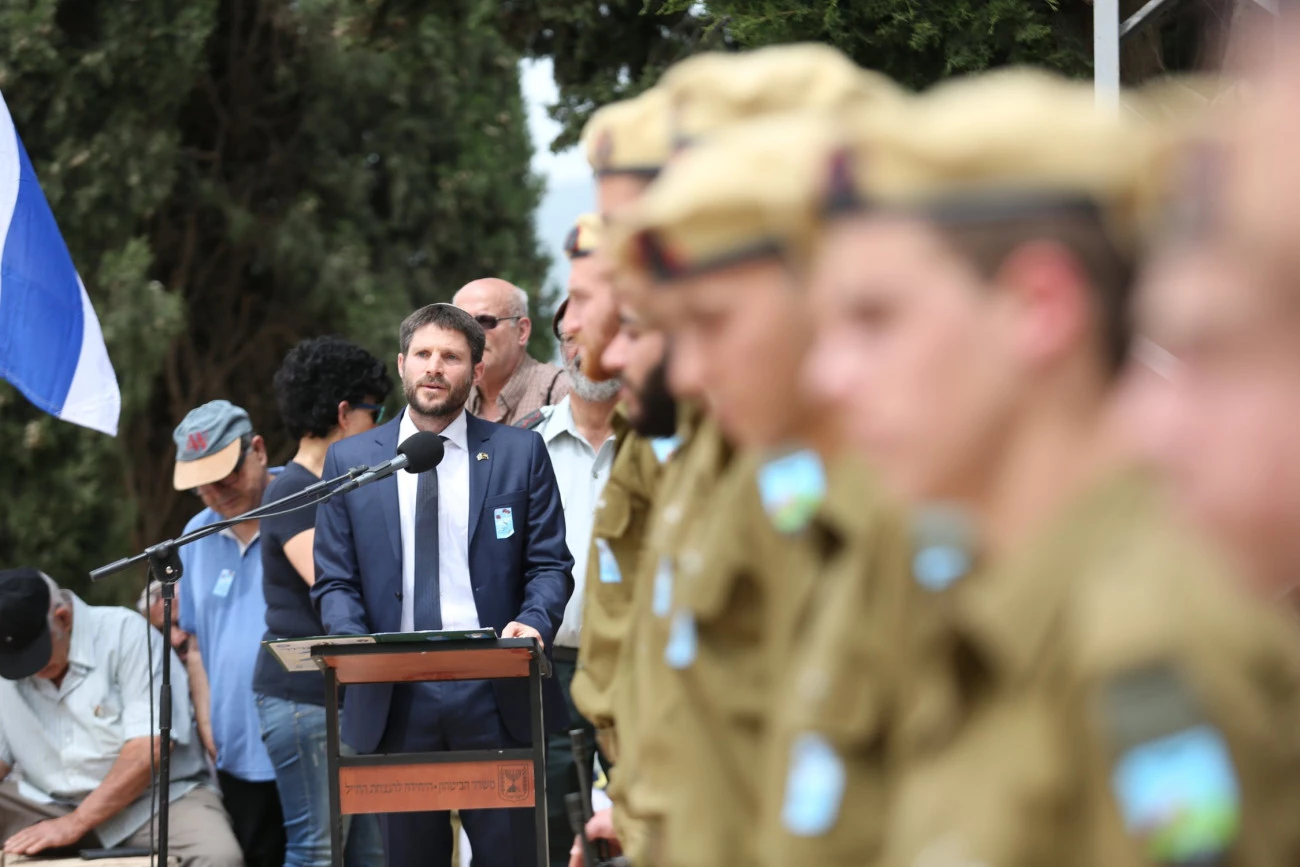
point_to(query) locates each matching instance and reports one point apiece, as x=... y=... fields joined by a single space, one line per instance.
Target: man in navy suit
x=477 y=543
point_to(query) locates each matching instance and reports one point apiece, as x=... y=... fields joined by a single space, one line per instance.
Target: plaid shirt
x=533 y=385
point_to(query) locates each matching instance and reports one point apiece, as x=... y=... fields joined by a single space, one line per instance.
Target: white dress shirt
x=455 y=592
x=581 y=473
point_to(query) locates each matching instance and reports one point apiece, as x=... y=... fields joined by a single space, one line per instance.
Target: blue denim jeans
x=294 y=734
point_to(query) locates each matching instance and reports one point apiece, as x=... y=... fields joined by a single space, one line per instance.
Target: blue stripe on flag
x=41 y=322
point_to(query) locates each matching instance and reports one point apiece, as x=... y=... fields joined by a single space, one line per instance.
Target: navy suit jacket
x=526 y=577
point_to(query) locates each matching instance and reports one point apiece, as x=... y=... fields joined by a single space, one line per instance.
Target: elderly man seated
x=75 y=727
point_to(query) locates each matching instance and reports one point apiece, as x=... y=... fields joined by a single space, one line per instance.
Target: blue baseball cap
x=209 y=444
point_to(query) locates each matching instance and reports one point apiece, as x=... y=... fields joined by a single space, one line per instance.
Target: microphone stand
x=165 y=566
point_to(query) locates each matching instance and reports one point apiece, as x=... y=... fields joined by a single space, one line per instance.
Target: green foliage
x=232 y=176
x=602 y=52
x=612 y=50
x=919 y=43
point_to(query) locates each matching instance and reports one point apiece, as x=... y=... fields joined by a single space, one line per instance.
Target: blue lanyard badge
x=814 y=788
x=609 y=571
x=792 y=488
x=663 y=589
x=504 y=519
x=224 y=582
x=665 y=447
x=680 y=652
x=1179 y=794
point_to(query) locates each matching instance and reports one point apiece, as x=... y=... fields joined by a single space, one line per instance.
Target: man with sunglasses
x=223 y=461
x=514 y=384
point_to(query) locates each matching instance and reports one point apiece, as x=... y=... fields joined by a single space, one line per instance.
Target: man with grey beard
x=579 y=435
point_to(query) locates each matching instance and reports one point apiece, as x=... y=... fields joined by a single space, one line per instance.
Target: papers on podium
x=295 y=653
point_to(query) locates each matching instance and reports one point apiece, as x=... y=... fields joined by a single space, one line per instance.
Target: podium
x=417 y=782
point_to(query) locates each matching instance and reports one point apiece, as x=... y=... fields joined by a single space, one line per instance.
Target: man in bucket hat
x=223 y=461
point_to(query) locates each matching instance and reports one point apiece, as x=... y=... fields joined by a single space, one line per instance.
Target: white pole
x=1105 y=53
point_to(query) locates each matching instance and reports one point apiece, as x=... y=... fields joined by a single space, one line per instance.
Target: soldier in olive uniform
x=626 y=144
x=1217 y=400
x=1089 y=690
x=726 y=232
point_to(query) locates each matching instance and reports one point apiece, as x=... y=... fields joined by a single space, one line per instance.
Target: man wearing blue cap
x=223 y=461
x=78 y=691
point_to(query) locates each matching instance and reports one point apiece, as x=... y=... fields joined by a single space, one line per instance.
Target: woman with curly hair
x=327 y=389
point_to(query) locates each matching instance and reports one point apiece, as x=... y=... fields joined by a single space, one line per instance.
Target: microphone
x=418 y=453
x=423 y=451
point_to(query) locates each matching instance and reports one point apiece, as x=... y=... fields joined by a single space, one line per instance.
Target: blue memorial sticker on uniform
x=505 y=522
x=663 y=589
x=665 y=447
x=224 y=582
x=1179 y=795
x=609 y=571
x=814 y=788
x=680 y=652
x=937 y=566
x=792 y=488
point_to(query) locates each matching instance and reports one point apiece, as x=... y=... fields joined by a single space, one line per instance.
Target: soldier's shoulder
x=1160 y=592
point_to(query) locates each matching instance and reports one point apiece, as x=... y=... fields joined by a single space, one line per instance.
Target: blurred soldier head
x=627 y=143
x=728 y=232
x=721 y=243
x=588 y=290
x=638 y=356
x=974 y=278
x=1217 y=399
x=587 y=277
x=710 y=92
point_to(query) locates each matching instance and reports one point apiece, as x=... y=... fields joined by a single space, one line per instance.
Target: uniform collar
x=456 y=433
x=851 y=508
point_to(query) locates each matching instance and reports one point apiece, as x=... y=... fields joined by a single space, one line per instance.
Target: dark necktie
x=428 y=610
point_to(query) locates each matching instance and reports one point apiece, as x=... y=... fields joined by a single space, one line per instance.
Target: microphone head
x=423 y=451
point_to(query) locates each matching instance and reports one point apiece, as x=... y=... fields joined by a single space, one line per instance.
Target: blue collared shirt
x=223 y=607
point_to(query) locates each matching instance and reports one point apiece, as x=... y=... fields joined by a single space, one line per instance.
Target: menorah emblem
x=513 y=782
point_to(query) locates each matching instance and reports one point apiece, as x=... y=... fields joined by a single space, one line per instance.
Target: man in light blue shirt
x=222 y=460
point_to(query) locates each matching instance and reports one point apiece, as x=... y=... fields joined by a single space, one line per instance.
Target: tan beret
x=584 y=238
x=1004 y=145
x=630 y=137
x=745 y=194
x=711 y=91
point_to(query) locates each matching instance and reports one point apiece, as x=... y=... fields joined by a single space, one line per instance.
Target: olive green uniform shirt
x=618 y=533
x=1099 y=697
x=619 y=541
x=746 y=582
x=646 y=705
x=822 y=794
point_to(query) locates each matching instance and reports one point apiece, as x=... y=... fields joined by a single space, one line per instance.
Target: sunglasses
x=376 y=411
x=491 y=322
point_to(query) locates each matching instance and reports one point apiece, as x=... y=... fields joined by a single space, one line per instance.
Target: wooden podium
x=415 y=782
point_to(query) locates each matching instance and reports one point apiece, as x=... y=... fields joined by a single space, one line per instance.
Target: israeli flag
x=51 y=347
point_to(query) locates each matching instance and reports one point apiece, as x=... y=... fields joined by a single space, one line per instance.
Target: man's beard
x=588 y=389
x=453 y=403
x=657 y=416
